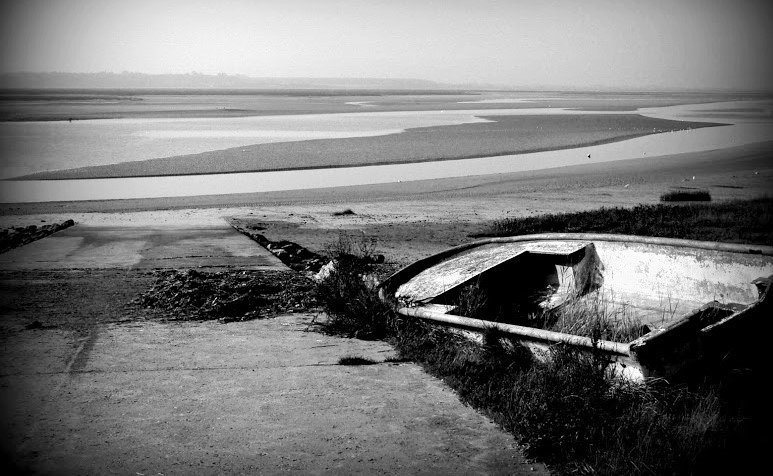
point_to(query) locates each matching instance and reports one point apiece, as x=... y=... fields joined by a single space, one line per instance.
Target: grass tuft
x=594 y=316
x=686 y=196
x=348 y=294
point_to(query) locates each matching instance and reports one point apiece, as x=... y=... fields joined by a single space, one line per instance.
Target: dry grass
x=686 y=196
x=347 y=294
x=596 y=316
x=740 y=221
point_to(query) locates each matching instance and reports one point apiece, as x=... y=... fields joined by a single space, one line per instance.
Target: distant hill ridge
x=55 y=80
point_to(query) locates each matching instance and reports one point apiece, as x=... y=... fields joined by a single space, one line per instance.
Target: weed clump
x=348 y=293
x=571 y=411
x=594 y=316
x=589 y=316
x=473 y=302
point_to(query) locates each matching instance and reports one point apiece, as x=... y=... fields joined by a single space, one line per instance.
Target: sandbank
x=498 y=136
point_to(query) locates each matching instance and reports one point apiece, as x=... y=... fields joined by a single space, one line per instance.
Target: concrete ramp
x=258 y=397
x=170 y=247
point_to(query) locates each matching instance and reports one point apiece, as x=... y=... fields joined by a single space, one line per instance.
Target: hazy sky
x=577 y=43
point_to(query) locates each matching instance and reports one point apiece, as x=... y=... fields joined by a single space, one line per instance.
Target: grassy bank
x=570 y=411
x=746 y=221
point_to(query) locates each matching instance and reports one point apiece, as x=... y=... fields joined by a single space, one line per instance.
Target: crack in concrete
x=183 y=369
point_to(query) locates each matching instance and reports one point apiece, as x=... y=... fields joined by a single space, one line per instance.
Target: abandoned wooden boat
x=676 y=301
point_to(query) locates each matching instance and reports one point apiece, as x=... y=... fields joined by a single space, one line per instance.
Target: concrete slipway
x=265 y=396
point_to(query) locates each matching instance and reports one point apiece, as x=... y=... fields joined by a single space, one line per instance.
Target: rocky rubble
x=295 y=256
x=228 y=295
x=21 y=235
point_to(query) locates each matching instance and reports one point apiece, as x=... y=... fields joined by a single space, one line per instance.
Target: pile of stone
x=228 y=295
x=293 y=255
x=11 y=238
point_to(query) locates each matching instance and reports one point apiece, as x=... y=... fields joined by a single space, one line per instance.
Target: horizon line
x=468 y=85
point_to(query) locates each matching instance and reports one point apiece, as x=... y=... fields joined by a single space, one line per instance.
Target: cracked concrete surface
x=170 y=246
x=95 y=387
x=254 y=397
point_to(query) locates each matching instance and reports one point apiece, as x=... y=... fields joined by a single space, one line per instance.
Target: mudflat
x=499 y=135
x=44 y=105
x=196 y=132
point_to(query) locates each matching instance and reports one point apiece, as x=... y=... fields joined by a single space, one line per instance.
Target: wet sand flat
x=48 y=131
x=499 y=135
x=111 y=104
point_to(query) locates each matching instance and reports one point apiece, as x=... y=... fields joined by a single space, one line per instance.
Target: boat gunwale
x=521 y=332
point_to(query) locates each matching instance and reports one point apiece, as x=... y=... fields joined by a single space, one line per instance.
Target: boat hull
x=693 y=299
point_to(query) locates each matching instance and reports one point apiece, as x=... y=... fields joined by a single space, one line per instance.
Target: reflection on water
x=749 y=129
